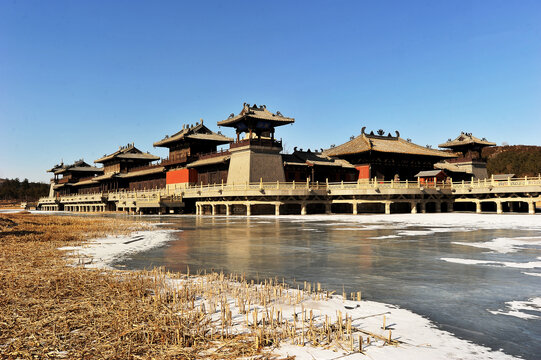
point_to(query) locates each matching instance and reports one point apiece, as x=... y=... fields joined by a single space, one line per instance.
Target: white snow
x=526 y=265
x=532 y=274
x=103 y=252
x=384 y=237
x=11 y=211
x=419 y=338
x=514 y=308
x=505 y=245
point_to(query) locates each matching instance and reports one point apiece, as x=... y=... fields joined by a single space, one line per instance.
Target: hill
x=521 y=160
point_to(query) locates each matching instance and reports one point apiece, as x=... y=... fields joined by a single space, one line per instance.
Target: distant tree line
x=520 y=160
x=14 y=189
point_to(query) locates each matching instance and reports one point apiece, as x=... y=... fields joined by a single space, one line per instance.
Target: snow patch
x=526 y=265
x=513 y=308
x=103 y=252
x=532 y=274
x=505 y=245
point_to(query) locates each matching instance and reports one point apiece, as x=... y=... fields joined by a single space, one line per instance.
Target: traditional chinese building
x=256 y=156
x=129 y=168
x=470 y=162
x=386 y=157
x=312 y=165
x=193 y=156
x=431 y=177
x=68 y=177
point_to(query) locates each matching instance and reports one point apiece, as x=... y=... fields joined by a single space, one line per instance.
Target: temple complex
x=386 y=157
x=209 y=173
x=469 y=163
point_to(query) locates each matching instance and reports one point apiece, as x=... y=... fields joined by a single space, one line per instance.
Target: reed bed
x=51 y=310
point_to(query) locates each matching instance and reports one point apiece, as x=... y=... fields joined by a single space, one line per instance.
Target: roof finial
x=362 y=130
x=201 y=120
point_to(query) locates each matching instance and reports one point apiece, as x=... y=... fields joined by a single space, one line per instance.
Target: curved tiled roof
x=258 y=113
x=466 y=139
x=128 y=152
x=387 y=144
x=197 y=132
x=78 y=166
x=209 y=161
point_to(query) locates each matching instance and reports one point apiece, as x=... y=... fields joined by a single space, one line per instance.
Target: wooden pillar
x=388 y=207
x=438 y=206
x=277 y=209
x=499 y=209
x=213 y=206
x=413 y=207
x=478 y=207
x=303 y=208
x=423 y=207
x=450 y=206
x=354 y=204
x=511 y=206
x=227 y=210
x=248 y=209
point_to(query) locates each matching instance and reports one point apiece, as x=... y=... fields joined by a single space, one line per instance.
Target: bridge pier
x=227 y=210
x=478 y=207
x=413 y=207
x=355 y=209
x=303 y=208
x=423 y=207
x=328 y=209
x=277 y=209
x=388 y=207
x=531 y=207
x=438 y=206
x=499 y=209
x=213 y=207
x=248 y=209
x=450 y=206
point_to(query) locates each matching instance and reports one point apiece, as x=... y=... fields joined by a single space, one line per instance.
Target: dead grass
x=51 y=310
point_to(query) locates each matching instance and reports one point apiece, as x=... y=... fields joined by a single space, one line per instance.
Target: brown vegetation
x=51 y=310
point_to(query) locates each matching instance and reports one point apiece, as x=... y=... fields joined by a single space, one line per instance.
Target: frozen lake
x=477 y=276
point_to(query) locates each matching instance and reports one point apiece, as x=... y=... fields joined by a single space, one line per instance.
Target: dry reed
x=51 y=310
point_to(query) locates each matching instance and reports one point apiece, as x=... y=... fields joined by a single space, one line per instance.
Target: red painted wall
x=364 y=171
x=181 y=176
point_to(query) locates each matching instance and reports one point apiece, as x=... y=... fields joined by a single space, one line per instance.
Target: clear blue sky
x=80 y=78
